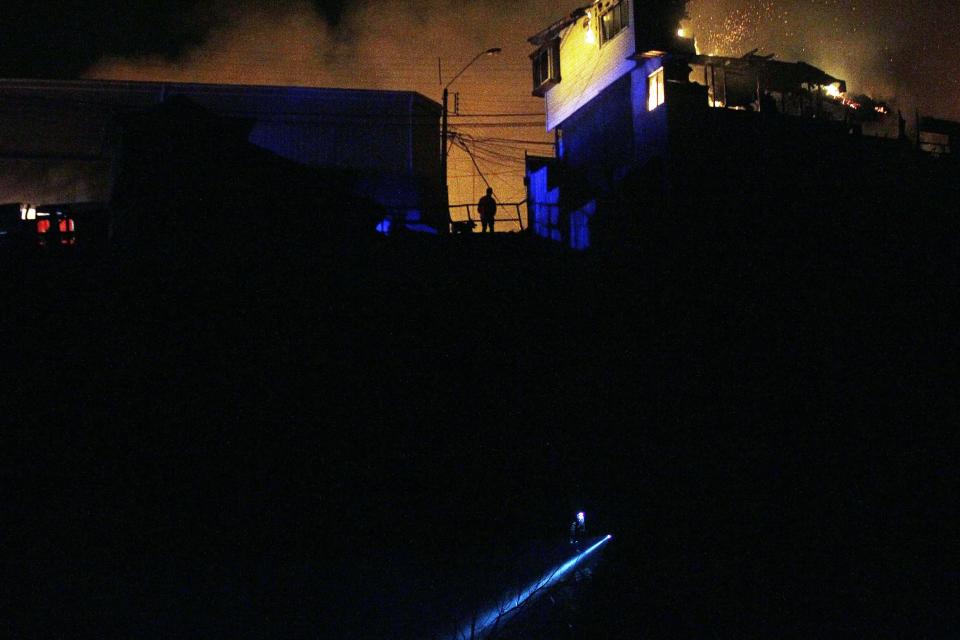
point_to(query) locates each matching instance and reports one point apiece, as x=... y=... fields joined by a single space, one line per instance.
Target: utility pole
x=445 y=219
x=445 y=134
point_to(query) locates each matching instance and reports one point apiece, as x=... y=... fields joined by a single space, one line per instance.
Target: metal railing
x=500 y=207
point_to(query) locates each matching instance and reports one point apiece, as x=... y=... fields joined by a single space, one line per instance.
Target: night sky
x=320 y=44
x=888 y=47
x=897 y=51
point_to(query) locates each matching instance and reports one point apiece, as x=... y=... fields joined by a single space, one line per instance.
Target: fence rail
x=500 y=207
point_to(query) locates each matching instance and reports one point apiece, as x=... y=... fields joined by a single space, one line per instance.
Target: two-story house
x=647 y=128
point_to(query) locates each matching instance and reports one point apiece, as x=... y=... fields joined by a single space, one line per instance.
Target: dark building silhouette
x=63 y=142
x=191 y=190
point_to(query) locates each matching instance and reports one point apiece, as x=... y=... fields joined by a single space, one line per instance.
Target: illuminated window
x=614 y=20
x=67 y=226
x=43 y=226
x=655 y=89
x=546 y=67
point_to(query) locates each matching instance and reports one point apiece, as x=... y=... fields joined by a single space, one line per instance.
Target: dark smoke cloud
x=901 y=50
x=387 y=44
x=905 y=50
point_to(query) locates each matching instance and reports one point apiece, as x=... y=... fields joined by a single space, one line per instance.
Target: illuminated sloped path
x=487 y=621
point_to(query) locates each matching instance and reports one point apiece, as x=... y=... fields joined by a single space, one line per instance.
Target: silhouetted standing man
x=488 y=211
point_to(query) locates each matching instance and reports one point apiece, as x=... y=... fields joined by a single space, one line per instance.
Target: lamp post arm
x=488 y=52
x=467 y=66
x=444 y=134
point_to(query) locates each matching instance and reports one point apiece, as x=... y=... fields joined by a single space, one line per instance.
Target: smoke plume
x=392 y=44
x=892 y=50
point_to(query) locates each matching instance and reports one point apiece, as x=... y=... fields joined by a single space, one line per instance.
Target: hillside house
x=646 y=126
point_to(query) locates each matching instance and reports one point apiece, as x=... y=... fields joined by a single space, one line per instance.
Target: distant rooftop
x=122 y=92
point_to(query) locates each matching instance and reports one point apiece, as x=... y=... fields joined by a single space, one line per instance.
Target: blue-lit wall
x=580 y=226
x=598 y=142
x=605 y=145
x=544 y=204
x=386 y=141
x=650 y=128
x=616 y=132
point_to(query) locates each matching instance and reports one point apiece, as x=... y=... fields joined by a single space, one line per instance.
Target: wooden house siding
x=587 y=68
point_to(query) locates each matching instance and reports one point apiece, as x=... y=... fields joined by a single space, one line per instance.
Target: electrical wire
x=517 y=141
x=496 y=115
x=469 y=153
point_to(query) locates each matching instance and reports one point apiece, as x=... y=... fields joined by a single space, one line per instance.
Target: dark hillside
x=323 y=441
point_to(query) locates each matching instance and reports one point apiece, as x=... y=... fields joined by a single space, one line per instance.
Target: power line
x=497 y=115
x=509 y=150
x=516 y=140
x=470 y=153
x=506 y=147
x=501 y=124
x=465 y=176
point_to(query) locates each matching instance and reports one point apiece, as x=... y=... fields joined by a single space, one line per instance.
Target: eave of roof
x=551 y=32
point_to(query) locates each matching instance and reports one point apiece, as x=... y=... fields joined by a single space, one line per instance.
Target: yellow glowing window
x=615 y=19
x=655 y=89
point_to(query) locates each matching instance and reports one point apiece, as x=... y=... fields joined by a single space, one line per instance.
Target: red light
x=67 y=226
x=43 y=226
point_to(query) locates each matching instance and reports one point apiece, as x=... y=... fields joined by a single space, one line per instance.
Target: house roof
x=257 y=97
x=777 y=75
x=541 y=38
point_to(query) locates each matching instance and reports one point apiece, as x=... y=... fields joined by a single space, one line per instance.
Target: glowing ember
x=833 y=91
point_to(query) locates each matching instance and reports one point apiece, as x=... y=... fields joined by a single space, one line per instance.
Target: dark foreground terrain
x=351 y=443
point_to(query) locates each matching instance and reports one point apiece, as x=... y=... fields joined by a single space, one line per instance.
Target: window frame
x=657 y=80
x=546 y=59
x=622 y=9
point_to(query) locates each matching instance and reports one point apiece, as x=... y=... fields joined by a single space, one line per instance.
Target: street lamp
x=444 y=133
